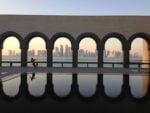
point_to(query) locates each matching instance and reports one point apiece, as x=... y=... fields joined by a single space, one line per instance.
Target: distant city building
x=61 y=50
x=41 y=53
x=81 y=52
x=108 y=53
x=67 y=52
x=136 y=55
x=56 y=52
x=31 y=53
x=12 y=53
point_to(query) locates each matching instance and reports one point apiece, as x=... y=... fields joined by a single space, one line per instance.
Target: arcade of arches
x=75 y=43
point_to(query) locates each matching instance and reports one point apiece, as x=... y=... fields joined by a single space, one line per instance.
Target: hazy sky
x=74 y=7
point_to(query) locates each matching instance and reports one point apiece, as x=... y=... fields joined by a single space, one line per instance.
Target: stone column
x=100 y=86
x=75 y=57
x=24 y=57
x=126 y=56
x=49 y=85
x=126 y=87
x=74 y=86
x=100 y=57
x=49 y=57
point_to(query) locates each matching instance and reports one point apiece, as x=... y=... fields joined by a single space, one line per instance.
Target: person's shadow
x=33 y=76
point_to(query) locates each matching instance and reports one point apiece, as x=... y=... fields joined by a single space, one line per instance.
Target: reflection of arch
x=90 y=35
x=142 y=35
x=32 y=35
x=118 y=36
x=8 y=34
x=62 y=34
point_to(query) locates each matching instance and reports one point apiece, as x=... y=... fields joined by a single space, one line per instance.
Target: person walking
x=34 y=63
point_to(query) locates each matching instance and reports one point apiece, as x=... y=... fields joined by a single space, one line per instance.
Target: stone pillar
x=49 y=84
x=100 y=86
x=24 y=57
x=126 y=56
x=24 y=86
x=49 y=57
x=126 y=87
x=0 y=57
x=100 y=57
x=74 y=86
x=75 y=57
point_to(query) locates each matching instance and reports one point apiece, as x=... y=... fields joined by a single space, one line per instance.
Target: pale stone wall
x=75 y=25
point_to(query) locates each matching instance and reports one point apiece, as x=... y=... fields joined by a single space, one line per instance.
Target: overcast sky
x=76 y=7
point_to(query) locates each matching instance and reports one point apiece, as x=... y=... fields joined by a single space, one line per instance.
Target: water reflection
x=36 y=83
x=139 y=84
x=112 y=84
x=62 y=83
x=87 y=84
x=33 y=76
x=11 y=84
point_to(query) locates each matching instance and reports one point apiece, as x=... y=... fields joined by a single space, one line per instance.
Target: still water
x=87 y=81
x=36 y=85
x=11 y=84
x=87 y=84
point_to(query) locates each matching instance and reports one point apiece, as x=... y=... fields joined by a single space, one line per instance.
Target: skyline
x=66 y=51
x=111 y=43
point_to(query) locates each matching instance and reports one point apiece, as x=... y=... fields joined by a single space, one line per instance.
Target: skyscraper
x=56 y=51
x=10 y=53
x=66 y=51
x=61 y=50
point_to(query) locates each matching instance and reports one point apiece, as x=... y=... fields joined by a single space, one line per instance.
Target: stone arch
x=142 y=35
x=90 y=35
x=7 y=34
x=63 y=34
x=30 y=36
x=118 y=36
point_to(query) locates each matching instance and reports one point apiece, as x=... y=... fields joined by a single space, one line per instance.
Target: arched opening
x=62 y=57
x=112 y=53
x=62 y=52
x=87 y=54
x=11 y=53
x=139 y=53
x=37 y=50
